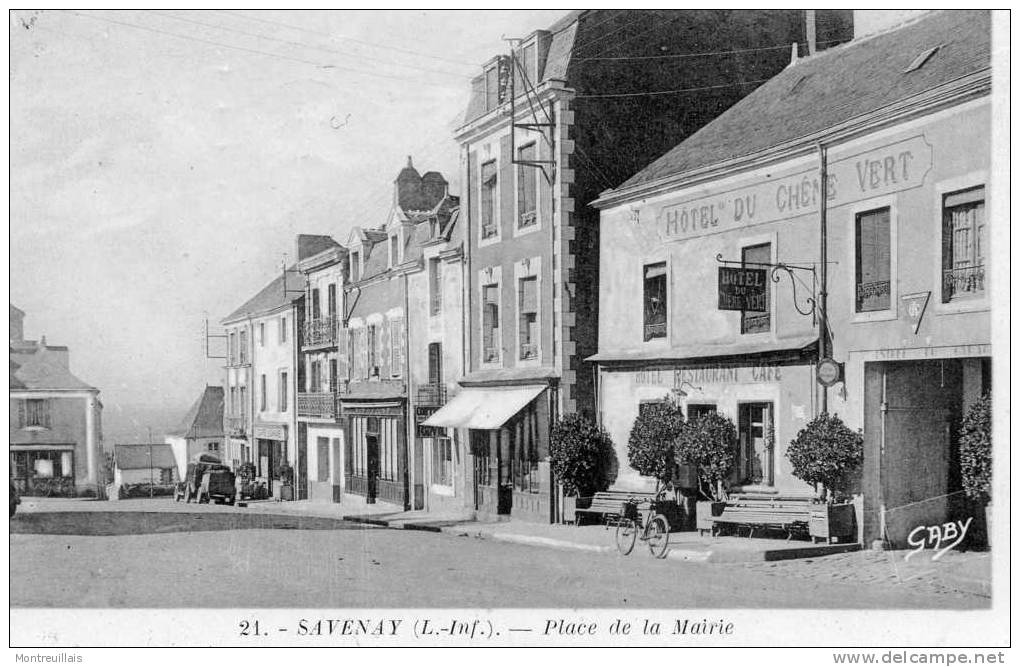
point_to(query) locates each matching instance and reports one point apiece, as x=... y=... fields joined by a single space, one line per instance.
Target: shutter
x=45 y=405
x=506 y=192
x=397 y=341
x=343 y=354
x=384 y=359
x=22 y=403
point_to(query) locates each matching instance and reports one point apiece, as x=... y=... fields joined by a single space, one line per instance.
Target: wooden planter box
x=705 y=512
x=830 y=523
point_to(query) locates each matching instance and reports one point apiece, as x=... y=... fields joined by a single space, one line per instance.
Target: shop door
x=919 y=407
x=265 y=470
x=480 y=449
x=302 y=466
x=372 y=465
x=755 y=435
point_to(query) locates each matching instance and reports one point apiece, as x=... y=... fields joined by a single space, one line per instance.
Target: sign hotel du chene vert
x=891 y=168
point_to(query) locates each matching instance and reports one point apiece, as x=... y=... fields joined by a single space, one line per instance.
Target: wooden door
x=372 y=466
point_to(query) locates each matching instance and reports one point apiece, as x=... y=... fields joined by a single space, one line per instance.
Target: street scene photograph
x=509 y=310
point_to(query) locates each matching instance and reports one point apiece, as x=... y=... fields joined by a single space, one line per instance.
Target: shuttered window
x=873 y=261
x=964 y=238
x=527 y=187
x=283 y=391
x=371 y=351
x=397 y=347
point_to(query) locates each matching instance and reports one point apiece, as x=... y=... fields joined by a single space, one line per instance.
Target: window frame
x=859 y=208
x=283 y=398
x=535 y=174
x=940 y=190
x=282 y=335
x=519 y=278
x=979 y=239
x=645 y=266
x=769 y=296
x=263 y=393
x=496 y=339
x=859 y=217
x=434 y=269
x=496 y=208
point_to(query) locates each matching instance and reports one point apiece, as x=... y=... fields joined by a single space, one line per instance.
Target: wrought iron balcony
x=317 y=404
x=431 y=395
x=529 y=351
x=963 y=282
x=319 y=332
x=655 y=330
x=527 y=219
x=237 y=425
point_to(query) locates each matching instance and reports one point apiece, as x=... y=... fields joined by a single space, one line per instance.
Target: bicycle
x=654 y=531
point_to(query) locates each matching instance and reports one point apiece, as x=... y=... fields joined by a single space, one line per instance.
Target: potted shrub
x=976 y=457
x=286 y=481
x=828 y=454
x=581 y=456
x=651 y=446
x=706 y=444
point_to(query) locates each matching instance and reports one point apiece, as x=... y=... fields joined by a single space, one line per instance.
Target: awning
x=485 y=408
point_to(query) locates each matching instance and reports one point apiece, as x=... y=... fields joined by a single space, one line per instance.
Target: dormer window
x=491 y=87
x=525 y=72
x=355 y=267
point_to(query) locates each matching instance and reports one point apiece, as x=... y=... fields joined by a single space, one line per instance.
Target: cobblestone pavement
x=947 y=577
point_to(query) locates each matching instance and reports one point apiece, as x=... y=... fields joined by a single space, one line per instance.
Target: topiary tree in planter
x=651 y=446
x=976 y=451
x=829 y=453
x=707 y=444
x=581 y=456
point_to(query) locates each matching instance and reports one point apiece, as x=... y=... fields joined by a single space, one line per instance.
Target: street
x=171 y=555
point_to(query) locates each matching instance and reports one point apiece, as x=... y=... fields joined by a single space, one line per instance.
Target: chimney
x=433 y=188
x=811 y=33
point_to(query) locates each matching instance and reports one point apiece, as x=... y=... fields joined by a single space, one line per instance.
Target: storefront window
x=442 y=461
x=964 y=236
x=655 y=301
x=873 y=261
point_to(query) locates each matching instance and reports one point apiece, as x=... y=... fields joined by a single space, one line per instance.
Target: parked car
x=15 y=499
x=207 y=479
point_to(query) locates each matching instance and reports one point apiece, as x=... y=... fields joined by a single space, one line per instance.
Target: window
x=283 y=391
x=645 y=407
x=528 y=312
x=263 y=394
x=322 y=461
x=527 y=187
x=233 y=401
x=37 y=413
x=488 y=212
x=332 y=375
x=243 y=338
x=435 y=363
x=316 y=312
x=964 y=237
x=212 y=447
x=315 y=381
x=435 y=286
x=442 y=462
x=655 y=301
x=394 y=250
x=283 y=329
x=695 y=410
x=482 y=452
x=373 y=361
x=331 y=300
x=526 y=64
x=232 y=349
x=490 y=323
x=355 y=267
x=757 y=321
x=873 y=261
x=262 y=334
x=244 y=402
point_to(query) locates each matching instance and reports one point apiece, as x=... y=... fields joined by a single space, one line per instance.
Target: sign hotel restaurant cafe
x=897 y=166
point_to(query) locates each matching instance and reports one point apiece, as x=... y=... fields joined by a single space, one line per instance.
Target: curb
x=549 y=542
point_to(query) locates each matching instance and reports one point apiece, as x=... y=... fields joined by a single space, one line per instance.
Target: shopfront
x=506 y=463
x=376 y=463
x=270 y=454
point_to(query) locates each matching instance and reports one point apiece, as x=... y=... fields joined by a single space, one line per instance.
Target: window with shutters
x=435 y=363
x=283 y=391
x=757 y=321
x=331 y=300
x=332 y=375
x=435 y=286
x=490 y=324
x=964 y=239
x=315 y=379
x=491 y=88
x=527 y=308
x=36 y=413
x=525 y=73
x=527 y=187
x=316 y=312
x=263 y=394
x=655 y=300
x=873 y=262
x=489 y=202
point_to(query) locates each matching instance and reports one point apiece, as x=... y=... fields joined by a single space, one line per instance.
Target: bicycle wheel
x=626 y=536
x=657 y=536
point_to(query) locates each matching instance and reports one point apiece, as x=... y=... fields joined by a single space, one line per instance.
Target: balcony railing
x=756 y=323
x=318 y=404
x=873 y=295
x=237 y=425
x=963 y=282
x=319 y=332
x=527 y=219
x=529 y=351
x=431 y=395
x=655 y=330
x=490 y=355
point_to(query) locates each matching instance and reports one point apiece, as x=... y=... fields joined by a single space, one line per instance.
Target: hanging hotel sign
x=897 y=166
x=742 y=288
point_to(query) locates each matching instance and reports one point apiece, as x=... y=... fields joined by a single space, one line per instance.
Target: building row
x=423 y=360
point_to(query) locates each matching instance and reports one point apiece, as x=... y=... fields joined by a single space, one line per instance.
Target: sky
x=163 y=162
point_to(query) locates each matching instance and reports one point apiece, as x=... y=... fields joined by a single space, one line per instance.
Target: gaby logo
x=941 y=538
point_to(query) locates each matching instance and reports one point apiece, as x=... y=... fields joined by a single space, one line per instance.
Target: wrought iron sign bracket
x=776 y=273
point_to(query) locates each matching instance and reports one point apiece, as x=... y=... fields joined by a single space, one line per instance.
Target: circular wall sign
x=829 y=372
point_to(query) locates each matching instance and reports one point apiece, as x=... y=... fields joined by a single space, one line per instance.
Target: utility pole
x=150 y=462
x=823 y=320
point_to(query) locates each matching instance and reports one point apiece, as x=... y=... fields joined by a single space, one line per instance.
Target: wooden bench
x=762 y=511
x=608 y=505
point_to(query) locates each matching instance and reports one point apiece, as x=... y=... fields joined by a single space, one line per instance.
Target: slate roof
x=832 y=87
x=36 y=370
x=205 y=418
x=272 y=296
x=377 y=262
x=136 y=457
